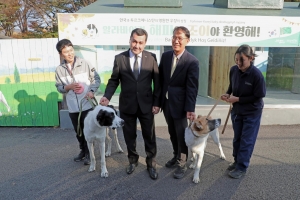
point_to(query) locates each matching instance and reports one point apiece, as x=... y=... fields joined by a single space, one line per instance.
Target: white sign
x=206 y=30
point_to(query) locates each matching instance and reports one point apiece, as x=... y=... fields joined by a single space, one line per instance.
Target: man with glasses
x=179 y=73
x=135 y=70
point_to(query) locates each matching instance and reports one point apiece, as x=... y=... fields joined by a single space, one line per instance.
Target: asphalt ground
x=37 y=163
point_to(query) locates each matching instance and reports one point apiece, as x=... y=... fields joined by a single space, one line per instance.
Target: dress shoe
x=231 y=166
x=180 y=171
x=87 y=160
x=152 y=173
x=131 y=167
x=171 y=163
x=80 y=156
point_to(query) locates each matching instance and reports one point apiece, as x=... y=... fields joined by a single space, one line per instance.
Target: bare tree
x=36 y=16
x=8 y=15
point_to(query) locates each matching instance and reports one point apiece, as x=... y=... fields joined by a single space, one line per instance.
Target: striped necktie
x=136 y=67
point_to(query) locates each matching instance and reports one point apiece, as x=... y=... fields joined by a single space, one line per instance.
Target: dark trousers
x=176 y=128
x=148 y=132
x=245 y=133
x=74 y=118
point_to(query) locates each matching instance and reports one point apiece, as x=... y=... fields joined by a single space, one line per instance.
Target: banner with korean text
x=206 y=30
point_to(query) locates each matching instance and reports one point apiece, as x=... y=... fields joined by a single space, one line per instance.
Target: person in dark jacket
x=135 y=70
x=246 y=92
x=179 y=75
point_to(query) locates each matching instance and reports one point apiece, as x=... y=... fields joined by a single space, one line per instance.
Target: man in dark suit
x=179 y=73
x=135 y=70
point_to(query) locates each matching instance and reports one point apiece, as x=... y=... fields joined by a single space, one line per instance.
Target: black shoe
x=131 y=167
x=231 y=166
x=87 y=160
x=80 y=156
x=236 y=174
x=180 y=171
x=152 y=173
x=171 y=163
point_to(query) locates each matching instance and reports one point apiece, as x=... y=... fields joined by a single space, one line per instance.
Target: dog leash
x=230 y=107
x=216 y=103
x=93 y=104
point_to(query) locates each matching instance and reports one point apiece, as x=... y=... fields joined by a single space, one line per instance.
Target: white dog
x=95 y=125
x=196 y=139
x=113 y=131
x=92 y=31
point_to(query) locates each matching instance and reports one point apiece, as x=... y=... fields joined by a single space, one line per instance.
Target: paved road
x=36 y=163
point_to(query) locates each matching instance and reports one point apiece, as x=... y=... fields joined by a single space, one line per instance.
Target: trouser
x=245 y=133
x=148 y=131
x=81 y=139
x=176 y=128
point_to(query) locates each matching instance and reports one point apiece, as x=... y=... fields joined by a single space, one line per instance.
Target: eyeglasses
x=178 y=38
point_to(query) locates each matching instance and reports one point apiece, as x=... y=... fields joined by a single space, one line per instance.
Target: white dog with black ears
x=196 y=139
x=95 y=125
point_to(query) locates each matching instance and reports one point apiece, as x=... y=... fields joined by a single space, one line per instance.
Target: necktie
x=172 y=71
x=136 y=68
x=174 y=65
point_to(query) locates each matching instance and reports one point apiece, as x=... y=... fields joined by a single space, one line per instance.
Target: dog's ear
x=105 y=118
x=199 y=116
x=111 y=106
x=197 y=125
x=209 y=118
x=100 y=116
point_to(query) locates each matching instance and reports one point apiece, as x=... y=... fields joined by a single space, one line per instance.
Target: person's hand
x=191 y=116
x=104 y=101
x=90 y=95
x=155 y=110
x=74 y=86
x=232 y=99
x=224 y=97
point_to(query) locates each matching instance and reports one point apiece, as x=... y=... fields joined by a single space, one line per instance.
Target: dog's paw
x=196 y=179
x=104 y=174
x=222 y=156
x=120 y=150
x=192 y=166
x=91 y=168
x=108 y=153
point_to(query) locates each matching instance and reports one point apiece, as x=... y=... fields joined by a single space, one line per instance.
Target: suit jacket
x=134 y=92
x=182 y=87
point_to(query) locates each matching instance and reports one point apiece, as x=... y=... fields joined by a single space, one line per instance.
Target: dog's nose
x=122 y=122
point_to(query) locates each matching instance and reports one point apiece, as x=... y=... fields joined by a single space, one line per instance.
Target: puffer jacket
x=83 y=73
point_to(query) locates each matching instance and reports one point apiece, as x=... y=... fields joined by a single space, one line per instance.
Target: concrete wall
x=272 y=115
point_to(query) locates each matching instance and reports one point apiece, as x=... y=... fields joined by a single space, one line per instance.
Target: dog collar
x=194 y=133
